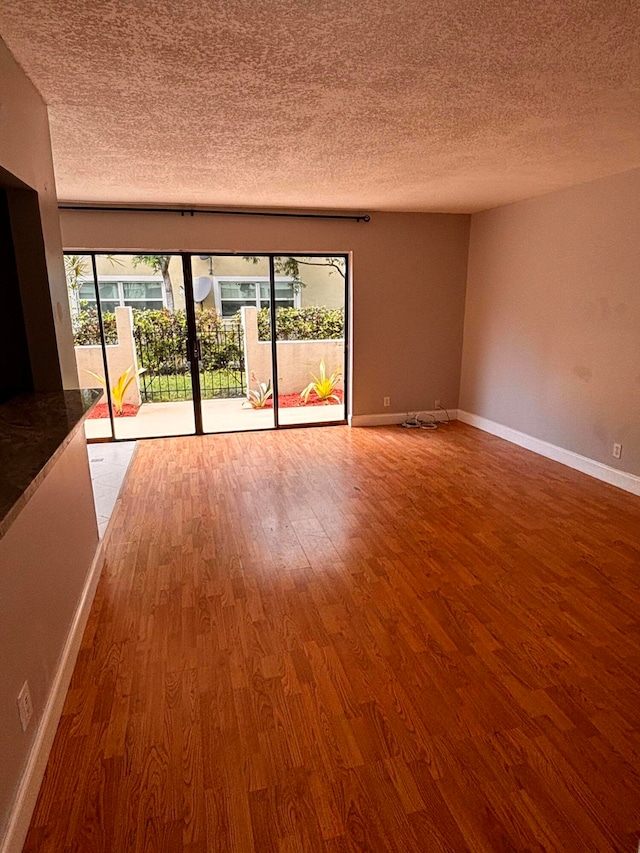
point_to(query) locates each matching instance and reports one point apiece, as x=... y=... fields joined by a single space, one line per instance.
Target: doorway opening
x=191 y=344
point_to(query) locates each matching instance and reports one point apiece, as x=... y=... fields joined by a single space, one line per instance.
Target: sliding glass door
x=310 y=336
x=130 y=335
x=185 y=343
x=88 y=337
x=233 y=342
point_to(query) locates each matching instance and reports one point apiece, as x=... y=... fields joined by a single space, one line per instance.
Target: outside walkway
x=163 y=419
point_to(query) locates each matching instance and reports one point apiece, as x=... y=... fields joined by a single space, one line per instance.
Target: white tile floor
x=108 y=463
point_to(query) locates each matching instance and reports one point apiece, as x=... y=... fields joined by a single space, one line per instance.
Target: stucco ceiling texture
x=443 y=105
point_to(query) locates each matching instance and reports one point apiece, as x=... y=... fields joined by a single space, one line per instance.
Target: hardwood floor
x=355 y=640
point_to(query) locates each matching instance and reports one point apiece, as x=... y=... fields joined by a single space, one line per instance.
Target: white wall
x=552 y=325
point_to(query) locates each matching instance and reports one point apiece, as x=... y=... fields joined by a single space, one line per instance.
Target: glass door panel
x=87 y=341
x=144 y=317
x=135 y=332
x=234 y=340
x=310 y=332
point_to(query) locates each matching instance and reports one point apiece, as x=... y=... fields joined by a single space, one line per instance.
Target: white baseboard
x=621 y=479
x=29 y=787
x=398 y=417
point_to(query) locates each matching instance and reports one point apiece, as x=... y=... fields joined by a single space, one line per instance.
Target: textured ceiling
x=444 y=105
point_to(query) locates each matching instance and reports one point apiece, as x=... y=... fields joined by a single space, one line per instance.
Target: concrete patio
x=164 y=419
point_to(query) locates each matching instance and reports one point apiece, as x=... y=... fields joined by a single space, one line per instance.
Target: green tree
x=159 y=263
x=290 y=266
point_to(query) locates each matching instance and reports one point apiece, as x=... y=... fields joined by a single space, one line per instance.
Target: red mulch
x=290 y=401
x=101 y=411
x=286 y=401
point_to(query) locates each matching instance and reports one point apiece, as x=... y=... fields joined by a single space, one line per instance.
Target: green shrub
x=303 y=324
x=86 y=328
x=161 y=338
x=161 y=341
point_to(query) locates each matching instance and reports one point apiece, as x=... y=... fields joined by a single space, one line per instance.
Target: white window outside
x=232 y=292
x=133 y=291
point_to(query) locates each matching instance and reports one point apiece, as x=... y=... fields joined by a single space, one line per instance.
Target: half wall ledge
x=35 y=428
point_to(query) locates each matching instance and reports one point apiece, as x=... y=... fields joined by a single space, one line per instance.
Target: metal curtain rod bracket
x=192 y=212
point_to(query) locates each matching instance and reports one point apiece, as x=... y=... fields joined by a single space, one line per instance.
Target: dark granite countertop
x=34 y=429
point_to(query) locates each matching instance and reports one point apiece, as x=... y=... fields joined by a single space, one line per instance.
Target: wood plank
x=339 y=640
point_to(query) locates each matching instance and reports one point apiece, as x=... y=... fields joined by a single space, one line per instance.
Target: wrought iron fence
x=222 y=369
x=162 y=352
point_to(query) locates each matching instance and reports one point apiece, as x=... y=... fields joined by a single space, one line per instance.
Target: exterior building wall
x=322 y=284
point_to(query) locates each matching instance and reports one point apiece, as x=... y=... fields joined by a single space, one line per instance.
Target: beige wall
x=44 y=560
x=552 y=328
x=409 y=275
x=25 y=152
x=47 y=553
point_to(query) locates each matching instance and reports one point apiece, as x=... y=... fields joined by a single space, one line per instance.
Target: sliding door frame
x=274 y=338
x=193 y=344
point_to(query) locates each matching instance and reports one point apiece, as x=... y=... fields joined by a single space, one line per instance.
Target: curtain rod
x=193 y=211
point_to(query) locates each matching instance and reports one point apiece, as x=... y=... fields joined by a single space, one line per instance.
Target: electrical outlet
x=617 y=451
x=436 y=404
x=386 y=402
x=25 y=706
